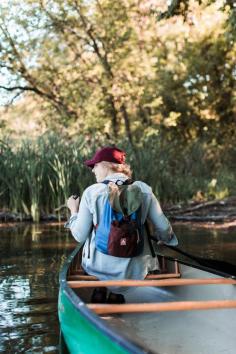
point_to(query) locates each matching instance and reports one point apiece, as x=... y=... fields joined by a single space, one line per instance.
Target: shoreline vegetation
x=157 y=81
x=218 y=214
x=191 y=182
x=212 y=211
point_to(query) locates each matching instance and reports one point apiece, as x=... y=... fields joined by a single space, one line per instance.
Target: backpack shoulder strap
x=119 y=182
x=149 y=239
x=124 y=197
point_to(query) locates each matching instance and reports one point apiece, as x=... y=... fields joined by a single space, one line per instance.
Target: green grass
x=36 y=177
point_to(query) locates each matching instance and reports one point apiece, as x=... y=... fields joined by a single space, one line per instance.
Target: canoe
x=185 y=308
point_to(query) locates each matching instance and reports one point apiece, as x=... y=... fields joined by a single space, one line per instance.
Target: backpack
x=119 y=232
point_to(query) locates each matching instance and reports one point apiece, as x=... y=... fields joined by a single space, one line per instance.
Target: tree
x=125 y=67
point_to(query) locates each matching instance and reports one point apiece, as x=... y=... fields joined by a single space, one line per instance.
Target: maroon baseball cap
x=110 y=154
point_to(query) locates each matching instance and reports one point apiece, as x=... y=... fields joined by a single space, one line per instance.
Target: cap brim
x=173 y=242
x=90 y=163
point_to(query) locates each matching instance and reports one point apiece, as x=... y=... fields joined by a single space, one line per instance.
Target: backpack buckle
x=119 y=182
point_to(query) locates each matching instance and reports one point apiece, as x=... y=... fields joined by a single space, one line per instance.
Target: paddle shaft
x=174 y=248
x=221 y=266
x=198 y=259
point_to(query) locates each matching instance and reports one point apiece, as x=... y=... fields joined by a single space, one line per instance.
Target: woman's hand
x=73 y=204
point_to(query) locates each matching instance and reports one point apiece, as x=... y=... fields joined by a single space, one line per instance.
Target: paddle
x=221 y=266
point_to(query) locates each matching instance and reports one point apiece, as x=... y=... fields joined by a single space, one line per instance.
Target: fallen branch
x=198 y=206
x=210 y=218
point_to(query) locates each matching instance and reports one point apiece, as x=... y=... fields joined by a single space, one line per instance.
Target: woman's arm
x=162 y=227
x=81 y=221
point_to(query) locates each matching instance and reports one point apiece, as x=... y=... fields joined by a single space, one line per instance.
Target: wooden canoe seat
x=76 y=272
x=148 y=277
x=79 y=273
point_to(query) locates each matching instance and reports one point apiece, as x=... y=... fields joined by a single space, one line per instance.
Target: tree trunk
x=113 y=113
x=127 y=124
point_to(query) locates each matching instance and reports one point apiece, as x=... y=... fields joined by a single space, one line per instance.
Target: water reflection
x=31 y=257
x=217 y=244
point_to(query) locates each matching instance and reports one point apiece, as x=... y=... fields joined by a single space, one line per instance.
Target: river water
x=31 y=257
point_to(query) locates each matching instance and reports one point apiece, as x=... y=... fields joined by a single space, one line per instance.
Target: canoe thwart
x=103 y=309
x=142 y=283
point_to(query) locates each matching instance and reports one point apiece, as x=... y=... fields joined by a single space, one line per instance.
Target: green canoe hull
x=82 y=330
x=80 y=335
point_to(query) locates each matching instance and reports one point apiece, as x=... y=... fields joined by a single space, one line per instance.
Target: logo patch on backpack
x=123 y=241
x=119 y=230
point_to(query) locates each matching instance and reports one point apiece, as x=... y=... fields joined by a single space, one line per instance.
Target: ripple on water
x=29 y=274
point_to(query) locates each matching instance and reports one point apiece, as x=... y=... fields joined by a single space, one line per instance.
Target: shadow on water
x=31 y=257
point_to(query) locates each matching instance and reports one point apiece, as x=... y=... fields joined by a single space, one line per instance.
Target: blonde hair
x=120 y=168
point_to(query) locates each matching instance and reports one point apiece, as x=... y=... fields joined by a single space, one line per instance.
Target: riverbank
x=16 y=224
x=217 y=211
x=194 y=225
x=207 y=225
x=217 y=214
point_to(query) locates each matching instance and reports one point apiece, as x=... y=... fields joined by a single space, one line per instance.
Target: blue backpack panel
x=120 y=234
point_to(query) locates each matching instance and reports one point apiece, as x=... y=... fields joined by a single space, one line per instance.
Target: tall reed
x=37 y=176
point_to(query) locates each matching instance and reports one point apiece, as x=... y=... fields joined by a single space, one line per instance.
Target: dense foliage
x=157 y=76
x=124 y=66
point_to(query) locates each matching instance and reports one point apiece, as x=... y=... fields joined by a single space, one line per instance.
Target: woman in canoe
x=87 y=223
